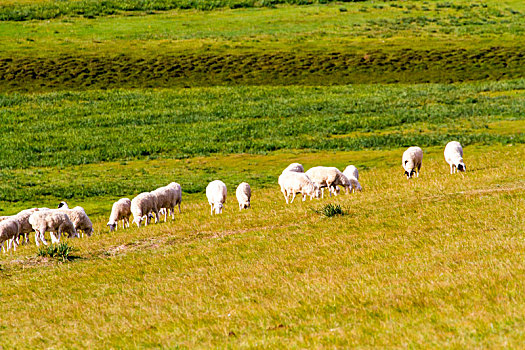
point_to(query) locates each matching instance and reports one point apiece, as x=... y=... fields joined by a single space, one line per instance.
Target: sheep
x=142 y=205
x=330 y=177
x=216 y=193
x=412 y=160
x=352 y=174
x=121 y=210
x=79 y=218
x=25 y=227
x=454 y=157
x=62 y=205
x=52 y=221
x=292 y=183
x=177 y=197
x=9 y=230
x=295 y=167
x=167 y=198
x=243 y=194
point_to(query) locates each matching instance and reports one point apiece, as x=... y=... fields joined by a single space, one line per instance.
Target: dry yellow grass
x=434 y=261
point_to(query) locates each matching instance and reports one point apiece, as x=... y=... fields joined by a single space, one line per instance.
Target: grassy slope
x=319 y=44
x=435 y=260
x=69 y=128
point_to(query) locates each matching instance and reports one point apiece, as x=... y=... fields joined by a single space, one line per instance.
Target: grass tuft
x=330 y=210
x=61 y=251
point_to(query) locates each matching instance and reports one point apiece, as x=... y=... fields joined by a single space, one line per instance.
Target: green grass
x=42 y=10
x=390 y=42
x=330 y=210
x=73 y=128
x=106 y=99
x=59 y=251
x=431 y=261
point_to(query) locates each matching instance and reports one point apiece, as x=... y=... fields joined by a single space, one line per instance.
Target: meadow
x=334 y=44
x=434 y=261
x=106 y=99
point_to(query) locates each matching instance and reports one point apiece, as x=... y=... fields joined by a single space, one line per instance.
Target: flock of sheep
x=163 y=200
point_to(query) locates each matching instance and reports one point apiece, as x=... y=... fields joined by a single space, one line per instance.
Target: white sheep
x=243 y=194
x=454 y=157
x=295 y=167
x=25 y=227
x=412 y=160
x=216 y=193
x=330 y=177
x=51 y=221
x=177 y=197
x=167 y=198
x=121 y=210
x=62 y=205
x=176 y=200
x=352 y=174
x=79 y=218
x=292 y=183
x=9 y=230
x=142 y=205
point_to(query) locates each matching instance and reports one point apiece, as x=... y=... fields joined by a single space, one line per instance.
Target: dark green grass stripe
x=278 y=68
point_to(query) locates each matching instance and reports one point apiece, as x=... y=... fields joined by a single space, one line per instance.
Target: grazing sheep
x=292 y=183
x=142 y=205
x=79 y=218
x=328 y=177
x=352 y=174
x=244 y=194
x=295 y=167
x=177 y=197
x=23 y=220
x=52 y=221
x=167 y=198
x=9 y=230
x=121 y=210
x=412 y=160
x=216 y=193
x=62 y=205
x=454 y=157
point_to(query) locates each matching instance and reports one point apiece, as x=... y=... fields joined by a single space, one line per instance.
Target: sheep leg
x=211 y=209
x=14 y=244
x=157 y=216
x=40 y=235
x=329 y=186
x=53 y=238
x=285 y=195
x=293 y=197
x=304 y=197
x=418 y=170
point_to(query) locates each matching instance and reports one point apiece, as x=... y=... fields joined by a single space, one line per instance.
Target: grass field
x=334 y=44
x=106 y=99
x=433 y=261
